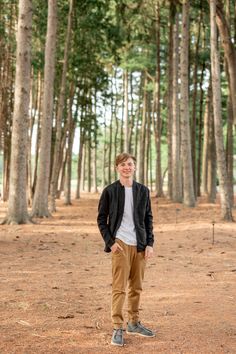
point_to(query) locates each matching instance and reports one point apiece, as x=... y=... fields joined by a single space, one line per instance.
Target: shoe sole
x=117 y=345
x=140 y=334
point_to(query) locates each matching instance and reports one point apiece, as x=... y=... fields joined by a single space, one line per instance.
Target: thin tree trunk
x=176 y=161
x=229 y=50
x=83 y=174
x=40 y=201
x=130 y=139
x=211 y=157
x=200 y=124
x=80 y=156
x=55 y=169
x=206 y=141
x=38 y=133
x=126 y=110
x=216 y=91
x=147 y=140
x=194 y=104
x=68 y=173
x=170 y=100
x=157 y=122
x=142 y=153
x=230 y=151
x=110 y=165
x=189 y=197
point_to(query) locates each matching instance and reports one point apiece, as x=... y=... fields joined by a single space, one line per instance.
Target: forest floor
x=56 y=284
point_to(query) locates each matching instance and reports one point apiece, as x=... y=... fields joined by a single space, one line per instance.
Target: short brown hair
x=124 y=156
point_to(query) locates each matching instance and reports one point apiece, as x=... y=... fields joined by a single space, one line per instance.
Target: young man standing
x=125 y=222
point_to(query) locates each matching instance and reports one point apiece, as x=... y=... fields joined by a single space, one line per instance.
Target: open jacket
x=111 y=209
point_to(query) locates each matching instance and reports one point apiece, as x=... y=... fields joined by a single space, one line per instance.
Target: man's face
x=126 y=168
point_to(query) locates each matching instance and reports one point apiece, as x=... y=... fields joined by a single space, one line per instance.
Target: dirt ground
x=56 y=284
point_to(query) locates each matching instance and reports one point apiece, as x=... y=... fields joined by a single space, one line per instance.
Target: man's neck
x=126 y=182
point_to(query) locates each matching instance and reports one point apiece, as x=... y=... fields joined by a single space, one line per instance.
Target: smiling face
x=126 y=169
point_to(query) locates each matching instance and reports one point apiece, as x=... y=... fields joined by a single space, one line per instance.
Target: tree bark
x=17 y=206
x=211 y=156
x=55 y=169
x=229 y=50
x=170 y=99
x=157 y=123
x=189 y=197
x=176 y=160
x=80 y=155
x=216 y=92
x=40 y=201
x=194 y=104
x=126 y=110
x=206 y=141
x=200 y=128
x=142 y=152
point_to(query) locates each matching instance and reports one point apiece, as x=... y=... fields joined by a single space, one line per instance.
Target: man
x=125 y=222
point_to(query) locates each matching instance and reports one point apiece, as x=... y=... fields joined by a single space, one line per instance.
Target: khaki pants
x=127 y=267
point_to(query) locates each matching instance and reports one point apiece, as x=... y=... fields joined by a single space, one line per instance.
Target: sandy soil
x=56 y=284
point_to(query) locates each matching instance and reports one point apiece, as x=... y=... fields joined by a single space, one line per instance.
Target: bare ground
x=56 y=284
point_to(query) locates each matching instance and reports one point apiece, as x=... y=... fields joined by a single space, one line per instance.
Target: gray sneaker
x=137 y=328
x=117 y=337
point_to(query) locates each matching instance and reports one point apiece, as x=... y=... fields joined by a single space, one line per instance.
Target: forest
x=84 y=80
x=81 y=82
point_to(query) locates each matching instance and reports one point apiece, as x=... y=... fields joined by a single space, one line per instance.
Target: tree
x=57 y=150
x=175 y=129
x=40 y=201
x=189 y=197
x=17 y=205
x=230 y=52
x=216 y=92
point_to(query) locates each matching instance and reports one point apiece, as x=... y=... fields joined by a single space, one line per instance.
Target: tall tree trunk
x=80 y=155
x=206 y=140
x=230 y=142
x=55 y=169
x=104 y=180
x=176 y=161
x=40 y=201
x=229 y=50
x=170 y=100
x=110 y=165
x=142 y=153
x=229 y=151
x=194 y=104
x=126 y=110
x=17 y=206
x=132 y=115
x=157 y=122
x=38 y=133
x=200 y=125
x=211 y=157
x=147 y=140
x=70 y=140
x=189 y=197
x=216 y=92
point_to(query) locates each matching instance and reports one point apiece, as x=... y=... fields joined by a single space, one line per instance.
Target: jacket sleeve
x=149 y=222
x=102 y=219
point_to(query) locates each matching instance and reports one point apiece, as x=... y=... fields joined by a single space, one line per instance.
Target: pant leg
x=135 y=285
x=120 y=275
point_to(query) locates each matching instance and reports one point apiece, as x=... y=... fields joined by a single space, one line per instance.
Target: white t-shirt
x=126 y=231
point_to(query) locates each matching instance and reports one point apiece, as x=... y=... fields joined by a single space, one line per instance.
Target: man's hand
x=116 y=248
x=148 y=252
